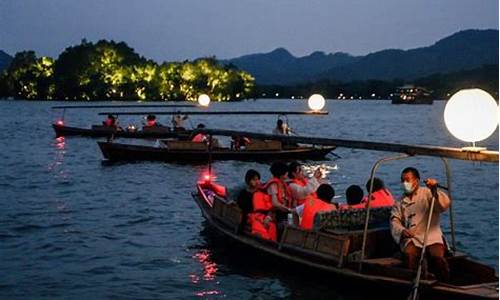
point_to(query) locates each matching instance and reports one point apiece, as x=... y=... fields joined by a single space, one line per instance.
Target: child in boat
x=245 y=195
x=354 y=195
x=110 y=121
x=314 y=204
x=381 y=196
x=200 y=137
x=271 y=204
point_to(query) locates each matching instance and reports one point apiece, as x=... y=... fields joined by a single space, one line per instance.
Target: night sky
x=187 y=29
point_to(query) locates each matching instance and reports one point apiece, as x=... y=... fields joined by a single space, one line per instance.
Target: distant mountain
x=281 y=67
x=461 y=51
x=5 y=60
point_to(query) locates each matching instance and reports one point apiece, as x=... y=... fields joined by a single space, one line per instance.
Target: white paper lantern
x=316 y=102
x=203 y=100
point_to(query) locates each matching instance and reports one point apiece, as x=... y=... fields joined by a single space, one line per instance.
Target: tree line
x=107 y=70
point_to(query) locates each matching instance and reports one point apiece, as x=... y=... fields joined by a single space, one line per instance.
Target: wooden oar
x=416 y=282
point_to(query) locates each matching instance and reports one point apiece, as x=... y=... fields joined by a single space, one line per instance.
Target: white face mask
x=408 y=187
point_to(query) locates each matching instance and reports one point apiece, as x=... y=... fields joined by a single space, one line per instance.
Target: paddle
x=416 y=282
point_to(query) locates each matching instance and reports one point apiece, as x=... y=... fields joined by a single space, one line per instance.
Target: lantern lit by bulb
x=471 y=115
x=316 y=102
x=204 y=100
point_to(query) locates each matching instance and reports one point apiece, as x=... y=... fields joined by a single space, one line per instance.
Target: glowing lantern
x=316 y=102
x=60 y=123
x=203 y=100
x=471 y=116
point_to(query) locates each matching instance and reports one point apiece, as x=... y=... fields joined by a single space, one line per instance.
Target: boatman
x=409 y=221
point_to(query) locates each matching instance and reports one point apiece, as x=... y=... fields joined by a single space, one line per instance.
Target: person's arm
x=300 y=192
x=398 y=231
x=442 y=202
x=272 y=190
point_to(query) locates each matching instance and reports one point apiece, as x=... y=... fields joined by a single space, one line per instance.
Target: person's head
x=378 y=184
x=201 y=125
x=151 y=117
x=252 y=178
x=279 y=123
x=325 y=192
x=295 y=170
x=354 y=194
x=279 y=169
x=410 y=179
x=110 y=116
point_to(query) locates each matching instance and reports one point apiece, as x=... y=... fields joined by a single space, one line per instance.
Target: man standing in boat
x=409 y=220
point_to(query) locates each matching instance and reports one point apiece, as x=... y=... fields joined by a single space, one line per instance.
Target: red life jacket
x=109 y=122
x=380 y=198
x=302 y=183
x=312 y=206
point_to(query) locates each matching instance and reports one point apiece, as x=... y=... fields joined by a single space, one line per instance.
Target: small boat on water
x=356 y=244
x=410 y=94
x=188 y=151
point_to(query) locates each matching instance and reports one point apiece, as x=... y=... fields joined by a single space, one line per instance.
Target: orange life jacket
x=199 y=138
x=150 y=123
x=302 y=182
x=109 y=122
x=262 y=205
x=380 y=198
x=313 y=205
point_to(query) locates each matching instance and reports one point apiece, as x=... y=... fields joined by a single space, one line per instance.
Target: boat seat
x=352 y=219
x=319 y=244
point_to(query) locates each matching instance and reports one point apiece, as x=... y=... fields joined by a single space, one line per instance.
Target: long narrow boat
x=356 y=245
x=337 y=251
x=187 y=151
x=103 y=131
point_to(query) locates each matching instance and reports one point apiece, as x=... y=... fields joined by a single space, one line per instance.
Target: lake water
x=72 y=227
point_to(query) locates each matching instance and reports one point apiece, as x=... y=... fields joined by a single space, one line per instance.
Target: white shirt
x=300 y=192
x=412 y=214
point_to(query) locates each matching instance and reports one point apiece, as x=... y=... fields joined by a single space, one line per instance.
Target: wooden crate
x=228 y=213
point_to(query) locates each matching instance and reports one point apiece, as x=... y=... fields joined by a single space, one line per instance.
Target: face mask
x=408 y=187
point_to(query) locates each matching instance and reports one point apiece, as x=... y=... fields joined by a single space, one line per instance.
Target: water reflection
x=203 y=256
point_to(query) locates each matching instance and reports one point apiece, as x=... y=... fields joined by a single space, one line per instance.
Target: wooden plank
x=424 y=150
x=310 y=113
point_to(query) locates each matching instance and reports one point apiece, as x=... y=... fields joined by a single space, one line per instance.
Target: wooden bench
x=319 y=244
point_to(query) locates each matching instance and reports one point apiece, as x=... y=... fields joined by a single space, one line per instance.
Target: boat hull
x=125 y=152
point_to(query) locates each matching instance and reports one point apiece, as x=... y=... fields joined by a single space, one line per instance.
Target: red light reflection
x=60 y=143
x=60 y=123
x=209 y=272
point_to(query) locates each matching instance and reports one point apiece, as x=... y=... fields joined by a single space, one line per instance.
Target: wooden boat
x=187 y=151
x=359 y=250
x=337 y=252
x=410 y=94
x=106 y=131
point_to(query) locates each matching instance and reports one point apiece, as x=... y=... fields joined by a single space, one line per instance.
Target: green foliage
x=109 y=70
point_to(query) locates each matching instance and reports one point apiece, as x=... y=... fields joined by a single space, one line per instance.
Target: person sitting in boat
x=300 y=185
x=408 y=223
x=381 y=196
x=151 y=121
x=110 y=121
x=238 y=141
x=178 y=121
x=354 y=195
x=314 y=204
x=271 y=204
x=200 y=137
x=245 y=195
x=281 y=128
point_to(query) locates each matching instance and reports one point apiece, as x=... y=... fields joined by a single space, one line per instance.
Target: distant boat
x=410 y=94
